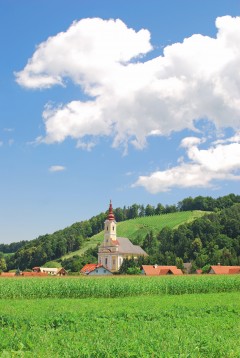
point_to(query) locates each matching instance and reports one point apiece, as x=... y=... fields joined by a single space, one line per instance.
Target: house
x=34 y=274
x=51 y=270
x=7 y=274
x=114 y=250
x=224 y=270
x=95 y=270
x=156 y=270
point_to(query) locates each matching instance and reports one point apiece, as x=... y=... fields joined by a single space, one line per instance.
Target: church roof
x=126 y=247
x=110 y=212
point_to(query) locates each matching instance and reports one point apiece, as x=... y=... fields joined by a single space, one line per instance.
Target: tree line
x=169 y=245
x=209 y=240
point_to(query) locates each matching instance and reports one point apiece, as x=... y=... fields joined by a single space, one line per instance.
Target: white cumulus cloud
x=130 y=98
x=57 y=168
x=204 y=167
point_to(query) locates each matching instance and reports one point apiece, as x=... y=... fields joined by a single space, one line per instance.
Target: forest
x=210 y=239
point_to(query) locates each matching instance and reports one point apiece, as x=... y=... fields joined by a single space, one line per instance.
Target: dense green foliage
x=208 y=240
x=208 y=203
x=211 y=239
x=134 y=229
x=202 y=325
x=114 y=286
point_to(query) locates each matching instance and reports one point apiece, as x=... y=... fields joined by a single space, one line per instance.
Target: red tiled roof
x=90 y=267
x=7 y=274
x=234 y=270
x=224 y=270
x=155 y=270
x=165 y=271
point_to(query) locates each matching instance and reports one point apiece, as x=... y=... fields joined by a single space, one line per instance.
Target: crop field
x=184 y=316
x=196 y=325
x=141 y=226
x=114 y=286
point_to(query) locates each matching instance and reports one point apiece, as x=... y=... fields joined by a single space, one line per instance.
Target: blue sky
x=134 y=101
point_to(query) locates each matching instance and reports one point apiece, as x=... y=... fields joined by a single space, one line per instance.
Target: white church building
x=114 y=249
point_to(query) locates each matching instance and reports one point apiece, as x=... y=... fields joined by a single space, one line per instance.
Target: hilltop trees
x=210 y=239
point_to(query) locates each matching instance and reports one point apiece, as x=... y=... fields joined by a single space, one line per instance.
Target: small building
x=114 y=250
x=156 y=270
x=34 y=274
x=95 y=270
x=224 y=270
x=7 y=274
x=60 y=271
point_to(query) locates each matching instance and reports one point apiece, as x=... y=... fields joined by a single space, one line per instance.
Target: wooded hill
x=211 y=239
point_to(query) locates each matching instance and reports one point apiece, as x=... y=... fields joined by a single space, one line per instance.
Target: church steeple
x=110 y=212
x=110 y=227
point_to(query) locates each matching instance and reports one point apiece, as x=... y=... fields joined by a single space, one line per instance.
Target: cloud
x=1 y=143
x=8 y=129
x=129 y=98
x=205 y=166
x=57 y=168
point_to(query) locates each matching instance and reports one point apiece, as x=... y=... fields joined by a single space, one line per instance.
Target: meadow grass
x=196 y=325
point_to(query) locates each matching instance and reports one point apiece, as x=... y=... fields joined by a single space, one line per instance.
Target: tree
x=179 y=263
x=196 y=247
x=159 y=209
x=3 y=266
x=149 y=210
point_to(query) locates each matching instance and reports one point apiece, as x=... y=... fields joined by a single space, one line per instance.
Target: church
x=114 y=249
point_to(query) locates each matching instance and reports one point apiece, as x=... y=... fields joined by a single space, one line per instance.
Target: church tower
x=114 y=250
x=110 y=232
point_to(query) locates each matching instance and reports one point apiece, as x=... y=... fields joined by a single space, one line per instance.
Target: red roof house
x=7 y=274
x=156 y=270
x=224 y=270
x=95 y=269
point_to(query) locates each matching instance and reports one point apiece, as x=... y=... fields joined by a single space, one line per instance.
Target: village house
x=95 y=270
x=224 y=270
x=50 y=270
x=114 y=250
x=156 y=270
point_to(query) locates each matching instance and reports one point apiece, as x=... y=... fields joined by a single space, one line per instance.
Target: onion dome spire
x=110 y=212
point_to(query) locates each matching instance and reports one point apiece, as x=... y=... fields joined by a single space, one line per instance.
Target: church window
x=105 y=261
x=113 y=228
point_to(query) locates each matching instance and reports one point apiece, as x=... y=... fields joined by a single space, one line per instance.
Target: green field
x=114 y=286
x=190 y=316
x=197 y=325
x=139 y=227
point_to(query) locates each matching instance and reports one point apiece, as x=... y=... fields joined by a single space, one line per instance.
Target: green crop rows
x=115 y=286
x=167 y=326
x=120 y=316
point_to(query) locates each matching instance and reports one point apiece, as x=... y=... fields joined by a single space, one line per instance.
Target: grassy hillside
x=139 y=227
